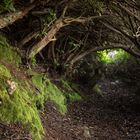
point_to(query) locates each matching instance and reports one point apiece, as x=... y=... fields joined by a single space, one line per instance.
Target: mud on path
x=112 y=115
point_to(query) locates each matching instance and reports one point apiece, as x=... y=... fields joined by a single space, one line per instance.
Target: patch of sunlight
x=112 y=56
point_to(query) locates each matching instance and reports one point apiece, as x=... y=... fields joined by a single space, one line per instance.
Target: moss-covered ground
x=22 y=98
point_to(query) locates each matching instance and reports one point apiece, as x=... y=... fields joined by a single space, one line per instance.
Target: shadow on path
x=113 y=116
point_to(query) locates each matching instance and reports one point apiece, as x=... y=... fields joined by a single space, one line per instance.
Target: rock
x=86 y=132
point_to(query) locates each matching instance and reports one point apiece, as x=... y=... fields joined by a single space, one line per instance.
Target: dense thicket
x=64 y=36
x=63 y=32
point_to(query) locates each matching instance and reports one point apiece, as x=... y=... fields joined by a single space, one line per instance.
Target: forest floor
x=112 y=115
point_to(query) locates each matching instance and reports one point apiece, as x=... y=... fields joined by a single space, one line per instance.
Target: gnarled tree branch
x=59 y=23
x=10 y=18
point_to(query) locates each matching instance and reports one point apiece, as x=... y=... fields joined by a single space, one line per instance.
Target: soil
x=113 y=114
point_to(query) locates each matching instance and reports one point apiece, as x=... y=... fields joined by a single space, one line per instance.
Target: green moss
x=7 y=53
x=20 y=107
x=4 y=71
x=57 y=96
x=29 y=95
x=71 y=95
x=48 y=91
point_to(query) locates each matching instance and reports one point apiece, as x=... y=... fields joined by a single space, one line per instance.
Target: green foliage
x=112 y=56
x=4 y=72
x=7 y=4
x=33 y=61
x=97 y=90
x=7 y=53
x=71 y=95
x=51 y=16
x=20 y=106
x=122 y=55
x=48 y=91
x=24 y=104
x=57 y=96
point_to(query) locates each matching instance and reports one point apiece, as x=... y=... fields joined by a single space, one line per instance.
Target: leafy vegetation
x=17 y=106
x=71 y=95
x=57 y=96
x=7 y=53
x=112 y=56
x=24 y=104
x=60 y=35
x=4 y=72
x=7 y=5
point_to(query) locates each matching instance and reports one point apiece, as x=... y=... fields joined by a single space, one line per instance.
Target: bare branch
x=27 y=39
x=59 y=23
x=10 y=18
x=47 y=39
x=129 y=12
x=66 y=7
x=119 y=31
x=130 y=49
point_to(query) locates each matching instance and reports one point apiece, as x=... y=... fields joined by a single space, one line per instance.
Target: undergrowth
x=57 y=96
x=18 y=107
x=112 y=56
x=26 y=101
x=7 y=5
x=70 y=93
x=22 y=100
x=50 y=92
x=7 y=53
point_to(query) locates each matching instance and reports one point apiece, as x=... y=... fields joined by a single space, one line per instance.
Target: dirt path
x=112 y=115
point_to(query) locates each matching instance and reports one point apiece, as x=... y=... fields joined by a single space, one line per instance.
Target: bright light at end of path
x=112 y=54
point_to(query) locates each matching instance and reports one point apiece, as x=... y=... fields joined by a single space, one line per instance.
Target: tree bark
x=10 y=18
x=59 y=23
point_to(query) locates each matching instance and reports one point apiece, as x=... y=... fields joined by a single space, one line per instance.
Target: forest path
x=112 y=115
